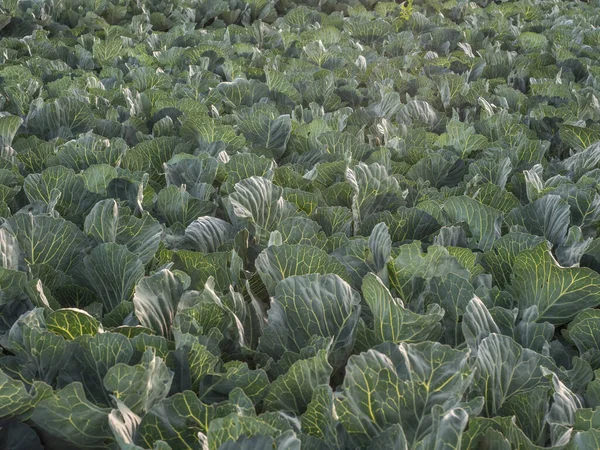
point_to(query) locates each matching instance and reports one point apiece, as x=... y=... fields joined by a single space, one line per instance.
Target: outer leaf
x=141 y=386
x=44 y=352
x=559 y=293
x=177 y=206
x=9 y=125
x=48 y=240
x=477 y=323
x=411 y=264
x=242 y=92
x=548 y=216
x=206 y=234
x=374 y=190
x=584 y=330
x=189 y=170
x=401 y=386
x=70 y=416
x=177 y=420
x=520 y=370
x=308 y=306
x=484 y=222
x=232 y=427
x=392 y=437
x=293 y=391
x=11 y=255
x=72 y=323
x=107 y=223
x=156 y=297
x=405 y=224
x=113 y=272
x=394 y=323
x=447 y=429
x=17 y=435
x=257 y=202
x=320 y=419
x=279 y=262
x=123 y=423
x=90 y=359
x=16 y=400
x=216 y=387
x=75 y=200
x=500 y=259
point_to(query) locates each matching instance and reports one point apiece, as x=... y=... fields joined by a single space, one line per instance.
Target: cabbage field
x=299 y=225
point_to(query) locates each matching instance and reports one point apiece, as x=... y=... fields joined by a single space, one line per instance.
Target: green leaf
x=156 y=298
x=112 y=271
x=107 y=223
x=176 y=206
x=519 y=372
x=189 y=170
x=312 y=305
x=142 y=386
x=90 y=151
x=216 y=387
x=380 y=244
x=72 y=323
x=191 y=363
x=447 y=429
x=11 y=255
x=43 y=352
x=584 y=330
x=391 y=437
x=175 y=420
x=234 y=426
x=401 y=386
x=279 y=262
x=500 y=259
x=257 y=205
x=200 y=267
x=484 y=222
x=374 y=190
x=18 y=401
x=293 y=391
x=559 y=293
x=123 y=424
x=68 y=415
x=149 y=156
x=75 y=200
x=320 y=419
x=392 y=322
x=277 y=82
x=206 y=234
x=18 y=436
x=245 y=165
x=303 y=231
x=411 y=264
x=548 y=216
x=405 y=224
x=578 y=138
x=48 y=240
x=204 y=130
x=463 y=138
x=265 y=130
x=9 y=125
x=68 y=113
x=242 y=92
x=496 y=197
x=498 y=432
x=495 y=172
x=452 y=293
x=90 y=359
x=442 y=168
